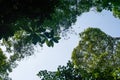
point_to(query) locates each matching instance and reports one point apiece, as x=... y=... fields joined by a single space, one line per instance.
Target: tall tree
x=6 y=66
x=63 y=73
x=98 y=54
x=53 y=14
x=42 y=21
x=13 y=10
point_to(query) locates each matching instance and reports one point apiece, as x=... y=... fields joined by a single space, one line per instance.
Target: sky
x=47 y=58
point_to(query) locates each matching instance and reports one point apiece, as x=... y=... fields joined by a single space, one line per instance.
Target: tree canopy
x=67 y=72
x=13 y=10
x=95 y=58
x=6 y=66
x=25 y=23
x=98 y=54
x=50 y=14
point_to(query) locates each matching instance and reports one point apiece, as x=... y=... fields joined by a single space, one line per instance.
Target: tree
x=16 y=49
x=21 y=44
x=5 y=66
x=13 y=10
x=56 y=16
x=63 y=73
x=43 y=21
x=98 y=54
x=50 y=14
x=116 y=12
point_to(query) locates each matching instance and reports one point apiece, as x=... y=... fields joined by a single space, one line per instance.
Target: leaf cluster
x=67 y=72
x=98 y=54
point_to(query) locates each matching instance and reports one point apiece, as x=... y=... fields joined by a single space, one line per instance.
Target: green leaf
x=36 y=38
x=47 y=34
x=57 y=38
x=47 y=42
x=52 y=33
x=51 y=43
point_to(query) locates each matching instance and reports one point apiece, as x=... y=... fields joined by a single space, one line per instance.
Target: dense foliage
x=12 y=10
x=48 y=14
x=97 y=57
x=25 y=23
x=67 y=72
x=5 y=66
x=98 y=54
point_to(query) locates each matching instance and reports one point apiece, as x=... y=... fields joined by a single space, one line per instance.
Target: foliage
x=5 y=66
x=25 y=23
x=98 y=54
x=18 y=46
x=13 y=10
x=50 y=14
x=44 y=26
x=16 y=49
x=63 y=73
x=116 y=12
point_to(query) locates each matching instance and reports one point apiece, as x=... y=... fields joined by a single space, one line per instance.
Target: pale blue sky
x=50 y=58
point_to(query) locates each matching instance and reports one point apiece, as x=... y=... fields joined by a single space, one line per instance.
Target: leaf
x=49 y=43
x=57 y=38
x=52 y=33
x=36 y=39
x=42 y=41
x=47 y=34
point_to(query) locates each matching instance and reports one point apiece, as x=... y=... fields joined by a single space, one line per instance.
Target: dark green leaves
x=50 y=43
x=63 y=73
x=56 y=39
x=5 y=66
x=35 y=38
x=51 y=38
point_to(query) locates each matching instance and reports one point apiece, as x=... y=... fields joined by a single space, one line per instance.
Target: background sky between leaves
x=50 y=58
